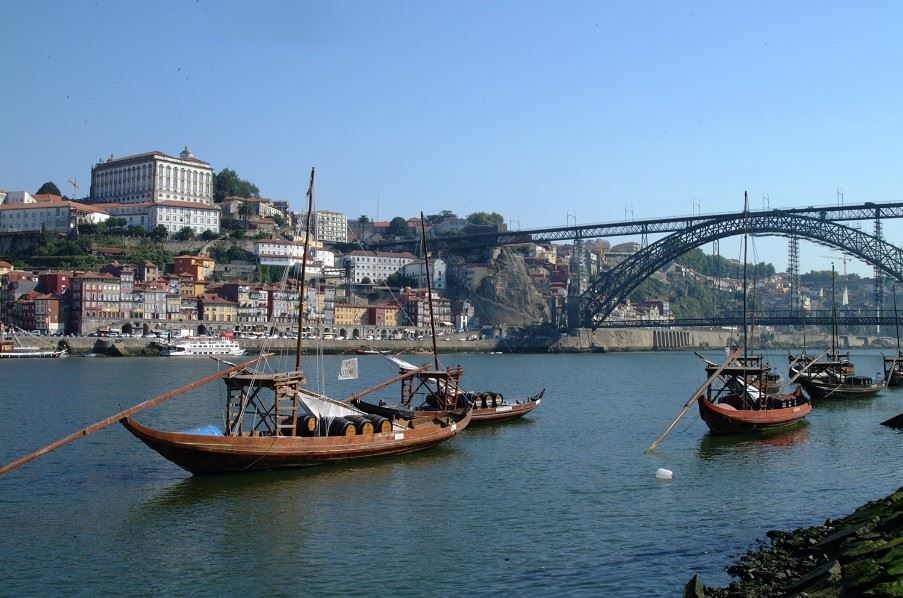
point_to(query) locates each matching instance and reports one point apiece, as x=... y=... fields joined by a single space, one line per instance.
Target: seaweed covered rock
x=859 y=555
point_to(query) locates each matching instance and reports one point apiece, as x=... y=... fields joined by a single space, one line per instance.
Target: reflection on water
x=715 y=446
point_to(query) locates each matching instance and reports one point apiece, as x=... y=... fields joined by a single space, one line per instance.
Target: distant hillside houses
x=21 y=212
x=375 y=266
x=285 y=253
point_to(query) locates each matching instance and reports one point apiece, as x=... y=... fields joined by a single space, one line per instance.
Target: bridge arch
x=600 y=299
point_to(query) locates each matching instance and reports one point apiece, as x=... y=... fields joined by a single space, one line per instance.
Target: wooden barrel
x=342 y=427
x=307 y=425
x=485 y=400
x=380 y=423
x=361 y=424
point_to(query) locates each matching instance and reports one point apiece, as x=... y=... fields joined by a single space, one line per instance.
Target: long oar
x=803 y=371
x=693 y=399
x=123 y=414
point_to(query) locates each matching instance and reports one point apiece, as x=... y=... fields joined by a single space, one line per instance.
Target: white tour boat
x=199 y=346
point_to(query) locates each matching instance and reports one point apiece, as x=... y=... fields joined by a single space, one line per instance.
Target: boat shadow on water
x=201 y=489
x=713 y=446
x=491 y=428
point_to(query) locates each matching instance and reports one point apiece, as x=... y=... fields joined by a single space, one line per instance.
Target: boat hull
x=498 y=414
x=503 y=413
x=821 y=390
x=201 y=454
x=893 y=371
x=32 y=354
x=721 y=419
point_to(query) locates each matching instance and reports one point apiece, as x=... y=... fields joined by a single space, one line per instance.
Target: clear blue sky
x=532 y=110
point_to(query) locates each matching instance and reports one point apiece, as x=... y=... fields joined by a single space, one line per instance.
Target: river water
x=564 y=501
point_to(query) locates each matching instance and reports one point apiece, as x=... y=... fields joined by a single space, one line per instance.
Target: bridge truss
x=600 y=299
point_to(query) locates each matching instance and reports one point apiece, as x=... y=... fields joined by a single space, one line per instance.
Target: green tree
x=160 y=233
x=186 y=233
x=440 y=217
x=398 y=227
x=399 y=280
x=208 y=235
x=484 y=219
x=245 y=210
x=228 y=184
x=49 y=187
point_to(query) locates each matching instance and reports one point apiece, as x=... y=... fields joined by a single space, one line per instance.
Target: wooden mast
x=310 y=203
x=833 y=317
x=745 y=236
x=896 y=318
x=429 y=290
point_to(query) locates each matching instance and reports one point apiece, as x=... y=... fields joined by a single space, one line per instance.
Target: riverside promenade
x=579 y=341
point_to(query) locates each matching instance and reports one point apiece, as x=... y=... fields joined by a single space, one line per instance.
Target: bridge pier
x=640 y=339
x=672 y=339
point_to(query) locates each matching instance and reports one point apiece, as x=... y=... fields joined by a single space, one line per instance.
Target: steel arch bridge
x=600 y=299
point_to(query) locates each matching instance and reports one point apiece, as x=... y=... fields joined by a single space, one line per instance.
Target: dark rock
x=858 y=555
x=893 y=589
x=694 y=588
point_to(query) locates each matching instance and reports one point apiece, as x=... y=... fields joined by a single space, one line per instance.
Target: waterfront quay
x=577 y=341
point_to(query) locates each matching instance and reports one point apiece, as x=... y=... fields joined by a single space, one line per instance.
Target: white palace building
x=154 y=188
x=152 y=176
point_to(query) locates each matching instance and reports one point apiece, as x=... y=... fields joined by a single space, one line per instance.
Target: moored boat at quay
x=201 y=346
x=11 y=348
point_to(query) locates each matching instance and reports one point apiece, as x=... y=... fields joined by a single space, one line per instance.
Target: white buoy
x=663 y=474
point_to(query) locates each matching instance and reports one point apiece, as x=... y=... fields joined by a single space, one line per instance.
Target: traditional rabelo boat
x=486 y=407
x=835 y=377
x=734 y=402
x=738 y=399
x=734 y=399
x=893 y=366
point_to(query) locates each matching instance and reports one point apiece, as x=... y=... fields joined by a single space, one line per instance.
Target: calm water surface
x=562 y=502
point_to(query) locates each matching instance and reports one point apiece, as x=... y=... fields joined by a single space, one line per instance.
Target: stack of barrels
x=484 y=400
x=352 y=425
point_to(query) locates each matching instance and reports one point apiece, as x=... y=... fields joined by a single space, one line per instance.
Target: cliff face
x=508 y=296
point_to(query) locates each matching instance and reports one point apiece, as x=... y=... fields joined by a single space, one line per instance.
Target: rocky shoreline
x=858 y=555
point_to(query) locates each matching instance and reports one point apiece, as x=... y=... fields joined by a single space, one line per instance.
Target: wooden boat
x=829 y=382
x=486 y=407
x=736 y=398
x=735 y=404
x=893 y=370
x=272 y=422
x=835 y=378
x=293 y=437
x=893 y=366
x=11 y=348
